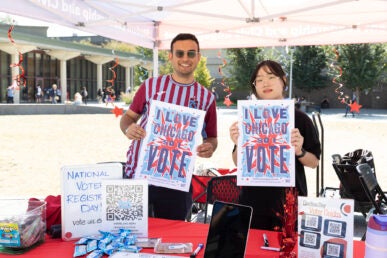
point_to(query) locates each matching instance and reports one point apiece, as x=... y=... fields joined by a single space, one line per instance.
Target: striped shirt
x=164 y=88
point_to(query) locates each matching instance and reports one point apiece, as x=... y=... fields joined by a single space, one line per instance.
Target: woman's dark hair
x=273 y=67
x=185 y=36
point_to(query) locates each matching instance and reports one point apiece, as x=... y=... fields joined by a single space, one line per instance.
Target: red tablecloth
x=171 y=231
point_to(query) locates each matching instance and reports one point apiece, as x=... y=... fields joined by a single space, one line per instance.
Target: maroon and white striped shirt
x=164 y=88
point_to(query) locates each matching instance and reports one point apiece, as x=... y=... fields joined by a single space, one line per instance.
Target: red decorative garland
x=116 y=111
x=338 y=90
x=20 y=78
x=355 y=107
x=288 y=235
x=116 y=63
x=227 y=89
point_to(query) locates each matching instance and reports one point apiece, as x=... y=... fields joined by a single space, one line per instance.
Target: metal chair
x=223 y=188
x=199 y=196
x=372 y=189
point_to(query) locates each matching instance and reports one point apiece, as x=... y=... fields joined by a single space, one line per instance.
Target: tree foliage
x=119 y=46
x=242 y=62
x=309 y=65
x=202 y=74
x=363 y=65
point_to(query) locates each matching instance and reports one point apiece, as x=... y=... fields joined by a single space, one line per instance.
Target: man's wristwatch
x=303 y=152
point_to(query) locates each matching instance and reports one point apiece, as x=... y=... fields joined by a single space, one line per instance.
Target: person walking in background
x=104 y=94
x=77 y=99
x=179 y=88
x=348 y=102
x=54 y=94
x=38 y=94
x=99 y=95
x=58 y=95
x=84 y=95
x=268 y=82
x=110 y=95
x=10 y=94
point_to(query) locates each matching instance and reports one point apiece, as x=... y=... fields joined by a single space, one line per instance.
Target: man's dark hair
x=185 y=36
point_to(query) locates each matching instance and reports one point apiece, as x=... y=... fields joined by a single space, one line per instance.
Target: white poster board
x=325 y=227
x=125 y=206
x=265 y=154
x=168 y=151
x=82 y=197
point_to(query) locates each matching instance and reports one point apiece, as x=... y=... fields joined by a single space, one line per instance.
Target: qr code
x=124 y=202
x=311 y=221
x=334 y=228
x=310 y=239
x=333 y=250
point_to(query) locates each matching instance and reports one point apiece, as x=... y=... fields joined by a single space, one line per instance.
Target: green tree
x=202 y=74
x=119 y=46
x=242 y=62
x=166 y=68
x=363 y=66
x=309 y=68
x=141 y=73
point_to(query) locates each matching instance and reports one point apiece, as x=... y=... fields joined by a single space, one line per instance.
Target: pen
x=197 y=250
x=265 y=241
x=278 y=249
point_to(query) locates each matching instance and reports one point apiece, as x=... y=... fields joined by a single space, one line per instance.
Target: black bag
x=359 y=156
x=349 y=177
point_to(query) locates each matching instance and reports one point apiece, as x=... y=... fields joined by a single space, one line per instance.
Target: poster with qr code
x=125 y=206
x=168 y=151
x=325 y=227
x=81 y=199
x=265 y=154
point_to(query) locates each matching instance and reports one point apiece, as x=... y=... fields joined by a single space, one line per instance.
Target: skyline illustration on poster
x=168 y=151
x=265 y=154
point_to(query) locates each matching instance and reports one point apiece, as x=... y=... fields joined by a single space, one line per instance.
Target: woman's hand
x=297 y=140
x=234 y=132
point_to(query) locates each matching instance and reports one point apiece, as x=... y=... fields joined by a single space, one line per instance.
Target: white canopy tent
x=216 y=23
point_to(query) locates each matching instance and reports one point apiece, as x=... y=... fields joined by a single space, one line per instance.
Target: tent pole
x=156 y=45
x=155 y=61
x=291 y=74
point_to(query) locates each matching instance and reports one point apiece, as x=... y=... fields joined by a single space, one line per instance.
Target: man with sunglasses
x=179 y=88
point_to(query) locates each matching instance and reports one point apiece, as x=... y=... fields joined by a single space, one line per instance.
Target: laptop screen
x=228 y=231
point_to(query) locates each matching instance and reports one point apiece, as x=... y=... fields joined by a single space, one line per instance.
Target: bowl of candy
x=22 y=224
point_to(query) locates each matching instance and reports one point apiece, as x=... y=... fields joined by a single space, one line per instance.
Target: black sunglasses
x=190 y=53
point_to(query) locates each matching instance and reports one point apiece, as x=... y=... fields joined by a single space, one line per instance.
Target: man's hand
x=207 y=148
